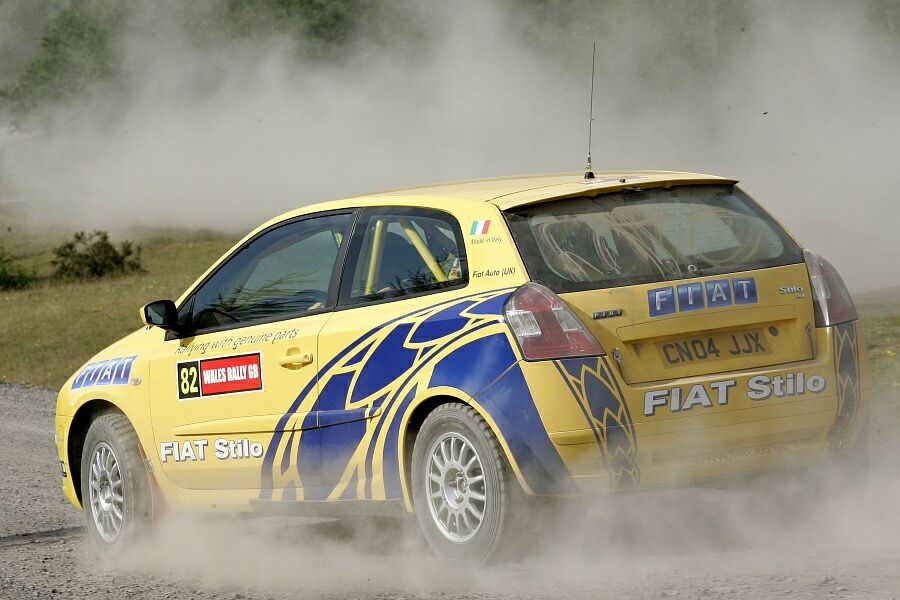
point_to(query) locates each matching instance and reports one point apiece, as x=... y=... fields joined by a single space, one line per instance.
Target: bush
x=13 y=276
x=92 y=255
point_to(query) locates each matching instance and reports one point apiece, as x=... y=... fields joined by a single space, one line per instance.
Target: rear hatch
x=676 y=282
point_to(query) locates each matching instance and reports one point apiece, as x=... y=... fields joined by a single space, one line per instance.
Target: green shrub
x=92 y=255
x=13 y=276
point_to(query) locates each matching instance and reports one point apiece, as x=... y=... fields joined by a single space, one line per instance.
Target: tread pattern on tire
x=125 y=443
x=495 y=550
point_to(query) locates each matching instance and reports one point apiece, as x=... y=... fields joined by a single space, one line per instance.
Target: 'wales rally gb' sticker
x=217 y=376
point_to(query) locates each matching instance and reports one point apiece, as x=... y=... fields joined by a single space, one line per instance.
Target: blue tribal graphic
x=846 y=360
x=344 y=442
x=604 y=406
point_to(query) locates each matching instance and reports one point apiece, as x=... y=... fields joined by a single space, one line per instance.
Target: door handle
x=295 y=358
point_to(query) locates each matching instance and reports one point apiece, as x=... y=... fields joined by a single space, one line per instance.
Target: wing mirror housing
x=162 y=314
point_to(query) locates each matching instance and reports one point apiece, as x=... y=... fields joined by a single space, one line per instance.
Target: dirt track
x=798 y=543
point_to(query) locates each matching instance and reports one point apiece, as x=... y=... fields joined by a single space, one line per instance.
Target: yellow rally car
x=440 y=350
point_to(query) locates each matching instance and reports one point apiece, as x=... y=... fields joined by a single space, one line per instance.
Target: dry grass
x=48 y=331
x=880 y=314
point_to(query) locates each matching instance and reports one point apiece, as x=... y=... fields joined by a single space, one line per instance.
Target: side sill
x=336 y=509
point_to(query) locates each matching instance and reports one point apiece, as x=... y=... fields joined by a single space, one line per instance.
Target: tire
x=861 y=454
x=852 y=464
x=115 y=487
x=447 y=505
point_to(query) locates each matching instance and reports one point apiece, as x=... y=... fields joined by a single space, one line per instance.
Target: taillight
x=831 y=298
x=545 y=327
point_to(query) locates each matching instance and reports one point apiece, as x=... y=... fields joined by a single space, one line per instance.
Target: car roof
x=512 y=192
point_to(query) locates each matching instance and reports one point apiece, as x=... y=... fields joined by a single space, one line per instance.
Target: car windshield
x=643 y=236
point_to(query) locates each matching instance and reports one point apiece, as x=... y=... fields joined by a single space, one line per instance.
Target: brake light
x=831 y=298
x=545 y=327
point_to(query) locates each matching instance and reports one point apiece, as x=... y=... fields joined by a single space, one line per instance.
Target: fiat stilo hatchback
x=444 y=350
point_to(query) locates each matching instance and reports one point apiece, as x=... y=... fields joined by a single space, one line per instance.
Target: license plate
x=709 y=348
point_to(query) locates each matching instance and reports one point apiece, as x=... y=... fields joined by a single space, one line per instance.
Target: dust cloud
x=21 y=27
x=798 y=100
x=770 y=535
x=632 y=544
x=782 y=534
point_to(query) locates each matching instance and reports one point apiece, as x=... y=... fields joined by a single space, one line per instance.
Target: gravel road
x=785 y=540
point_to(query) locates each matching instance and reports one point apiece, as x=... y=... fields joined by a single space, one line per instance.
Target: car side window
x=403 y=251
x=284 y=271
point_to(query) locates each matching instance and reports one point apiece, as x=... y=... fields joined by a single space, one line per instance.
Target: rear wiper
x=693 y=270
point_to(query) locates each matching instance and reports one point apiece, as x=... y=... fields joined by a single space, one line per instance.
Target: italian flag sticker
x=480 y=227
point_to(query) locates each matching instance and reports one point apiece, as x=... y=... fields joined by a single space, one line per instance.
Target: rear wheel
x=460 y=485
x=852 y=462
x=115 y=488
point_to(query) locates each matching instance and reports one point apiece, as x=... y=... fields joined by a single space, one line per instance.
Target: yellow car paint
x=328 y=415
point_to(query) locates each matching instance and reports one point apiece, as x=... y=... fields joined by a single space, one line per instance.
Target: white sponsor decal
x=793 y=384
x=759 y=387
x=797 y=290
x=697 y=395
x=221 y=448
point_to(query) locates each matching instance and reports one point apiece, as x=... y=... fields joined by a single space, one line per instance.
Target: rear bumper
x=608 y=435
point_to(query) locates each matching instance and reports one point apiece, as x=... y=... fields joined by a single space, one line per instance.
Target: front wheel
x=460 y=485
x=115 y=488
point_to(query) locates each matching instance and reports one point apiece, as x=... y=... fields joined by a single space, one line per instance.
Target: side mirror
x=161 y=313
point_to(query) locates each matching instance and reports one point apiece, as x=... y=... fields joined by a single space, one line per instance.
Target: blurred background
x=139 y=140
x=175 y=127
x=220 y=113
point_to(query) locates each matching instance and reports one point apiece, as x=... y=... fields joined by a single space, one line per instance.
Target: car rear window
x=644 y=236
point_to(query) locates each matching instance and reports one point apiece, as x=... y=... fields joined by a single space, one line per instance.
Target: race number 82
x=188 y=380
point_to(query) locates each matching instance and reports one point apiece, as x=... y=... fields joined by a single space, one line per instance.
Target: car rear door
x=400 y=262
x=692 y=290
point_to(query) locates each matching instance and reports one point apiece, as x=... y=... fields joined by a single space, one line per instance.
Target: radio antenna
x=589 y=169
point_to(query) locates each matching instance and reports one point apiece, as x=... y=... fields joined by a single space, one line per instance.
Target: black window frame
x=185 y=309
x=357 y=237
